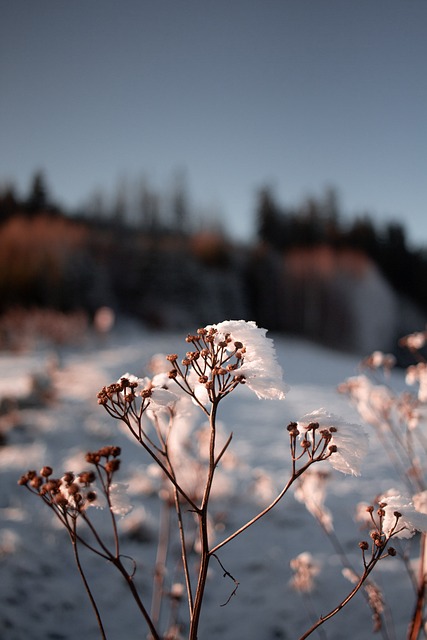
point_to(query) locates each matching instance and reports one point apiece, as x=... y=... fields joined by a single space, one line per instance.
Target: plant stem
x=262 y=513
x=73 y=538
x=369 y=567
x=184 y=554
x=118 y=563
x=416 y=624
x=161 y=557
x=203 y=529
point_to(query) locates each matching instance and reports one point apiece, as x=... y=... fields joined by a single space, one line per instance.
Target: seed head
x=112 y=465
x=36 y=482
x=86 y=477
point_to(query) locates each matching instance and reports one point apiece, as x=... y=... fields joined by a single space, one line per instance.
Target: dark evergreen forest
x=308 y=270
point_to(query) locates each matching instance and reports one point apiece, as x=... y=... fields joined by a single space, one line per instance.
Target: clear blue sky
x=299 y=94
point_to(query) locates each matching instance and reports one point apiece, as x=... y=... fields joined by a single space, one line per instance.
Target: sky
x=300 y=95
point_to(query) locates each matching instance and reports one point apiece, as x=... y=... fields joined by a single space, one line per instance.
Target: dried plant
x=398 y=418
x=173 y=416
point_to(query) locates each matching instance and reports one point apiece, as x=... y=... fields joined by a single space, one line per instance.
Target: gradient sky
x=298 y=94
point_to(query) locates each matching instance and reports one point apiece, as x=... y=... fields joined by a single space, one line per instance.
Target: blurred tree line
x=149 y=254
x=320 y=221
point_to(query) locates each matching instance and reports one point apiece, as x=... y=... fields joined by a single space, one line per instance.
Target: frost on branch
x=410 y=518
x=373 y=402
x=259 y=366
x=311 y=491
x=349 y=441
x=417 y=373
x=305 y=570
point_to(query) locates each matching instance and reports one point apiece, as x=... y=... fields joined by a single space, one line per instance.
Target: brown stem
x=416 y=624
x=129 y=580
x=73 y=538
x=161 y=558
x=368 y=568
x=203 y=530
x=295 y=475
x=184 y=555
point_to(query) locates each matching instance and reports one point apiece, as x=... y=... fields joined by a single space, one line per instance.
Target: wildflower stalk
x=416 y=624
x=203 y=528
x=161 y=558
x=296 y=473
x=74 y=538
x=161 y=464
x=377 y=555
x=224 y=356
x=184 y=555
x=130 y=583
x=342 y=604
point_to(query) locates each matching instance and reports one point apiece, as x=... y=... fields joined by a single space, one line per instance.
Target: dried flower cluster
x=173 y=417
x=72 y=494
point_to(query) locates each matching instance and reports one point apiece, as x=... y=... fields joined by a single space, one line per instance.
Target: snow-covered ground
x=40 y=591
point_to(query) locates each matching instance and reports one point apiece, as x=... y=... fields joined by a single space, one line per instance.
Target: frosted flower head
x=311 y=491
x=72 y=493
x=373 y=401
x=410 y=410
x=420 y=501
x=363 y=515
x=378 y=360
x=119 y=499
x=154 y=389
x=305 y=570
x=132 y=380
x=410 y=519
x=120 y=397
x=417 y=373
x=414 y=341
x=258 y=364
x=350 y=441
x=80 y=492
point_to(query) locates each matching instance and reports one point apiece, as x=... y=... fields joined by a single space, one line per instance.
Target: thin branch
x=227 y=574
x=261 y=514
x=350 y=596
x=73 y=538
